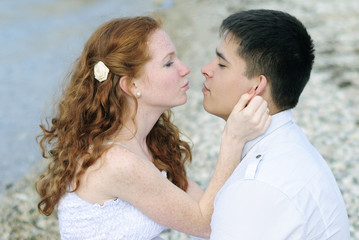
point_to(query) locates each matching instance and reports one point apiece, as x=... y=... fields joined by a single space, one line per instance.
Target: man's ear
x=261 y=85
x=125 y=85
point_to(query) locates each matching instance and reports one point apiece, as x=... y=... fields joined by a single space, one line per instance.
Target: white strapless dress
x=114 y=220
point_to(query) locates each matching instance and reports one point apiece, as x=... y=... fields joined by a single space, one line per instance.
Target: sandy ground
x=327 y=111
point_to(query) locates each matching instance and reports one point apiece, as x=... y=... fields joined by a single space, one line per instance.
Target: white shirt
x=282 y=189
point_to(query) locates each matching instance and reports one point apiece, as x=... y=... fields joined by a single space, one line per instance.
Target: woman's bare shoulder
x=125 y=168
x=121 y=161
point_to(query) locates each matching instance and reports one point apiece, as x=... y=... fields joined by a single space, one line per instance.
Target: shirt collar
x=278 y=120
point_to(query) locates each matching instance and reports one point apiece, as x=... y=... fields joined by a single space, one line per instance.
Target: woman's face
x=163 y=83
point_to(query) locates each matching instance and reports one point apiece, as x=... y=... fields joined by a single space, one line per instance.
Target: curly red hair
x=89 y=113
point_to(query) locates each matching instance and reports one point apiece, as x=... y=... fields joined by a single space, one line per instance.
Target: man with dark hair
x=283 y=188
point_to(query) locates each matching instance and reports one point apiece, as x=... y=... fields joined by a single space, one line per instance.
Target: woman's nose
x=184 y=70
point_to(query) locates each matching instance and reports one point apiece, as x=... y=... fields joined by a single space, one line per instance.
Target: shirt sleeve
x=251 y=210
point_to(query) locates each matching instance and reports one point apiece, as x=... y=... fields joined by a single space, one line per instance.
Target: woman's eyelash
x=168 y=64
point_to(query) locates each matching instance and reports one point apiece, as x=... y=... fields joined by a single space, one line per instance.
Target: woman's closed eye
x=169 y=64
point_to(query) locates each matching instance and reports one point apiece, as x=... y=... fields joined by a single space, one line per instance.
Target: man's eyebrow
x=220 y=55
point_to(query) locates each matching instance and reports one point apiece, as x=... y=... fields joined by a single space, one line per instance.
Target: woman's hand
x=248 y=119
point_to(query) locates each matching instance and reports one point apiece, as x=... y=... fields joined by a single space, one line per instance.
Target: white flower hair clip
x=101 y=71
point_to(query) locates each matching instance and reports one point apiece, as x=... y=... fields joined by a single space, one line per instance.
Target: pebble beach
x=327 y=111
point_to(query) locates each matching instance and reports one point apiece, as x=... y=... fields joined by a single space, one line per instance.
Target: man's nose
x=205 y=70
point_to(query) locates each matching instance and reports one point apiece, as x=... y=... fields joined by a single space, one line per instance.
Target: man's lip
x=205 y=87
x=186 y=85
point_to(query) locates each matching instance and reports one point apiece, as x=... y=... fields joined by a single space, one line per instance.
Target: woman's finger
x=243 y=102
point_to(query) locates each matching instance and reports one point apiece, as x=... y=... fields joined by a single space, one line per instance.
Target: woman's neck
x=134 y=132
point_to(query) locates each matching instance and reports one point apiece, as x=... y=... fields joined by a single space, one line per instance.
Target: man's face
x=225 y=79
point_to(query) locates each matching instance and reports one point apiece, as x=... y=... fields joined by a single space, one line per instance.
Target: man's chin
x=206 y=108
x=215 y=113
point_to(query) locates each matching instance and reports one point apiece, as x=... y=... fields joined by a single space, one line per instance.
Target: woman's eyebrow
x=171 y=54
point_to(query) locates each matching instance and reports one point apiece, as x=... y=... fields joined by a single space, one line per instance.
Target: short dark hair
x=276 y=45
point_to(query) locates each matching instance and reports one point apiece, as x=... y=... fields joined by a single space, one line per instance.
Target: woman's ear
x=261 y=85
x=124 y=85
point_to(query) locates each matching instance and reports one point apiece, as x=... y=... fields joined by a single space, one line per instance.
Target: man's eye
x=221 y=65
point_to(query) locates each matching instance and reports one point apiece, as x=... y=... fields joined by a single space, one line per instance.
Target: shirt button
x=258 y=156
